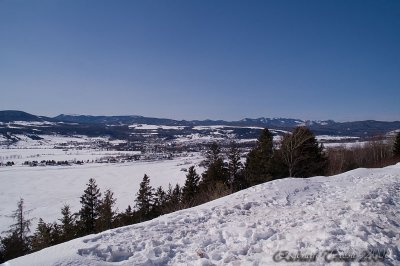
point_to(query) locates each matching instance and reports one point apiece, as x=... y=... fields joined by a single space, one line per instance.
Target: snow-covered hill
x=355 y=213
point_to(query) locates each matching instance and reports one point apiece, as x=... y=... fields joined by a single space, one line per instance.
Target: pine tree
x=56 y=234
x=173 y=198
x=2 y=259
x=301 y=154
x=22 y=224
x=236 y=177
x=106 y=212
x=90 y=201
x=144 y=199
x=17 y=242
x=169 y=207
x=11 y=247
x=396 y=146
x=42 y=237
x=159 y=202
x=215 y=172
x=68 y=228
x=191 y=187
x=212 y=154
x=177 y=196
x=127 y=217
x=160 y=196
x=258 y=163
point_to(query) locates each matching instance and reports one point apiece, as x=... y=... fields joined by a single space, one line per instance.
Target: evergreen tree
x=144 y=199
x=212 y=154
x=191 y=187
x=169 y=207
x=42 y=237
x=159 y=202
x=56 y=234
x=127 y=217
x=22 y=225
x=215 y=172
x=301 y=154
x=106 y=212
x=46 y=235
x=12 y=247
x=2 y=259
x=396 y=146
x=236 y=177
x=160 y=196
x=258 y=163
x=90 y=201
x=177 y=196
x=168 y=194
x=17 y=242
x=68 y=228
x=173 y=198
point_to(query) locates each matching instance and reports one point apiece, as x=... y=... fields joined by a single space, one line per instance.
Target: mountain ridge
x=328 y=127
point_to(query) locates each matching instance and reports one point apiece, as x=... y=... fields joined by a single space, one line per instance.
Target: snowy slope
x=353 y=212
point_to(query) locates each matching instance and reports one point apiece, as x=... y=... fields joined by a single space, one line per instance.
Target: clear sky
x=199 y=59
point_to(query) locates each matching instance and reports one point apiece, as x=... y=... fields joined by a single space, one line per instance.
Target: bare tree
x=290 y=148
x=301 y=153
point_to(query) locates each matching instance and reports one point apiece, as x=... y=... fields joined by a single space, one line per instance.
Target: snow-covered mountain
x=356 y=214
x=118 y=126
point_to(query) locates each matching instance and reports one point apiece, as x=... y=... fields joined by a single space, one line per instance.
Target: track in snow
x=353 y=212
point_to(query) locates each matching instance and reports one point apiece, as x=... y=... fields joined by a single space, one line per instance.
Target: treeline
x=374 y=153
x=297 y=154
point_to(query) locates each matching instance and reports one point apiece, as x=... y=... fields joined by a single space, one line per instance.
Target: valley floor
x=46 y=190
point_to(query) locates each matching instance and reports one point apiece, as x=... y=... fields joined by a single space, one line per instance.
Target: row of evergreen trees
x=297 y=154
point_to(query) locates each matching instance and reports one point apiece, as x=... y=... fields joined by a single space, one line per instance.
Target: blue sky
x=202 y=59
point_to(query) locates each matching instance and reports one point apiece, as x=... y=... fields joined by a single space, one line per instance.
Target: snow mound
x=353 y=213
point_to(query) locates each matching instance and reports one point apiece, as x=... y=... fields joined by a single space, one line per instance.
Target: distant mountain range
x=111 y=125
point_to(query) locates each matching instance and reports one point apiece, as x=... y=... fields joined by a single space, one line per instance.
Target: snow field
x=352 y=212
x=46 y=189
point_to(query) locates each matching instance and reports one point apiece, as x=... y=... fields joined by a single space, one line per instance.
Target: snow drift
x=353 y=216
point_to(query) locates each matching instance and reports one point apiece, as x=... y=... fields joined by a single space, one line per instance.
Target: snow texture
x=46 y=189
x=353 y=212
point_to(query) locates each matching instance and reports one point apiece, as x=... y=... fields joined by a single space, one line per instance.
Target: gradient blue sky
x=202 y=59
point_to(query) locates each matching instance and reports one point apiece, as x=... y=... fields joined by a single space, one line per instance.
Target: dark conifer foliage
x=191 y=187
x=68 y=224
x=89 y=212
x=2 y=259
x=301 y=155
x=22 y=225
x=56 y=234
x=11 y=247
x=17 y=242
x=235 y=169
x=106 y=211
x=176 y=197
x=396 y=146
x=258 y=167
x=127 y=217
x=212 y=155
x=159 y=202
x=216 y=171
x=144 y=199
x=43 y=236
